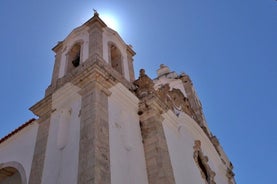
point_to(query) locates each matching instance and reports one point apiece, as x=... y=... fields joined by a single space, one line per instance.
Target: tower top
x=92 y=41
x=95 y=12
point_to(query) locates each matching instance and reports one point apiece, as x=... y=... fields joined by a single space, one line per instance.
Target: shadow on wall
x=12 y=173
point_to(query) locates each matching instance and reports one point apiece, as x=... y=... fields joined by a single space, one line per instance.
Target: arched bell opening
x=115 y=58
x=73 y=57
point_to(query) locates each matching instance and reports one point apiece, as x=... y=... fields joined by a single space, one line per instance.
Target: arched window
x=115 y=58
x=202 y=163
x=73 y=57
x=11 y=173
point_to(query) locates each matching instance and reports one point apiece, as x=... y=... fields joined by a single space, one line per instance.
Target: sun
x=111 y=21
x=108 y=17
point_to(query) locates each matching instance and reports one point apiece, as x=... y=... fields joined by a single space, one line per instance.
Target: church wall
x=61 y=158
x=109 y=36
x=126 y=148
x=20 y=148
x=181 y=133
x=180 y=146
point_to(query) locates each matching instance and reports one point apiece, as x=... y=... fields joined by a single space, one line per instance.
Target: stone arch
x=202 y=162
x=115 y=57
x=12 y=172
x=74 y=56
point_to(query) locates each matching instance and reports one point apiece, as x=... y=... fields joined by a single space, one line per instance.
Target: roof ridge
x=17 y=130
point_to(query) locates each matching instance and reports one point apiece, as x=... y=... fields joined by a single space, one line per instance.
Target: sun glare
x=110 y=21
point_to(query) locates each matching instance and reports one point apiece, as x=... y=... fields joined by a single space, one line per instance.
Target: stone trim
x=57 y=65
x=158 y=164
x=95 y=39
x=202 y=163
x=39 y=153
x=130 y=54
x=43 y=108
x=94 y=150
x=90 y=70
x=230 y=175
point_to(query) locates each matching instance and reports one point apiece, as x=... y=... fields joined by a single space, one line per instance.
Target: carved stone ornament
x=175 y=99
x=144 y=85
x=202 y=162
x=230 y=175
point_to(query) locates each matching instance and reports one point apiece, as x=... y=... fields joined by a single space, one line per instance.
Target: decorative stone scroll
x=144 y=84
x=175 y=99
x=202 y=163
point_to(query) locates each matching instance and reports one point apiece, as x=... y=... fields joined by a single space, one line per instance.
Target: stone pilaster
x=43 y=110
x=96 y=40
x=159 y=168
x=39 y=153
x=158 y=164
x=94 y=152
x=58 y=51
x=130 y=54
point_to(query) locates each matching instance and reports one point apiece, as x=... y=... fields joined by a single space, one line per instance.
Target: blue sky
x=229 y=48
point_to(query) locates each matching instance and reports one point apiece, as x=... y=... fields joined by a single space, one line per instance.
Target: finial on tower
x=95 y=12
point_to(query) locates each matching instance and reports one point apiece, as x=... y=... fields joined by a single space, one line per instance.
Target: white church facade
x=97 y=124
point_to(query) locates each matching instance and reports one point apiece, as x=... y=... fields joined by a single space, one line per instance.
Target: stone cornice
x=64 y=95
x=130 y=50
x=57 y=47
x=42 y=108
x=94 y=68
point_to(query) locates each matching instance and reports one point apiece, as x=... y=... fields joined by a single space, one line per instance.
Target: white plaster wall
x=62 y=153
x=77 y=35
x=181 y=132
x=173 y=83
x=126 y=148
x=111 y=36
x=20 y=148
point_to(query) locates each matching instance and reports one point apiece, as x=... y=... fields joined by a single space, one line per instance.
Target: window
x=202 y=163
x=115 y=58
x=73 y=58
x=12 y=172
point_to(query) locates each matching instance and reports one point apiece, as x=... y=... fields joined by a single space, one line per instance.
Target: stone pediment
x=173 y=98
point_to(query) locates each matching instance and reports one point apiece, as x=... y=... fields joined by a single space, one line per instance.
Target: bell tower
x=93 y=40
x=77 y=113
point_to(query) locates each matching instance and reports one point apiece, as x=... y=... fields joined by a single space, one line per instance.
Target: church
x=98 y=124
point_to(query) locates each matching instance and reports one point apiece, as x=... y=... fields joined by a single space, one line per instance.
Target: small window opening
x=116 y=59
x=202 y=163
x=76 y=61
x=203 y=168
x=74 y=57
